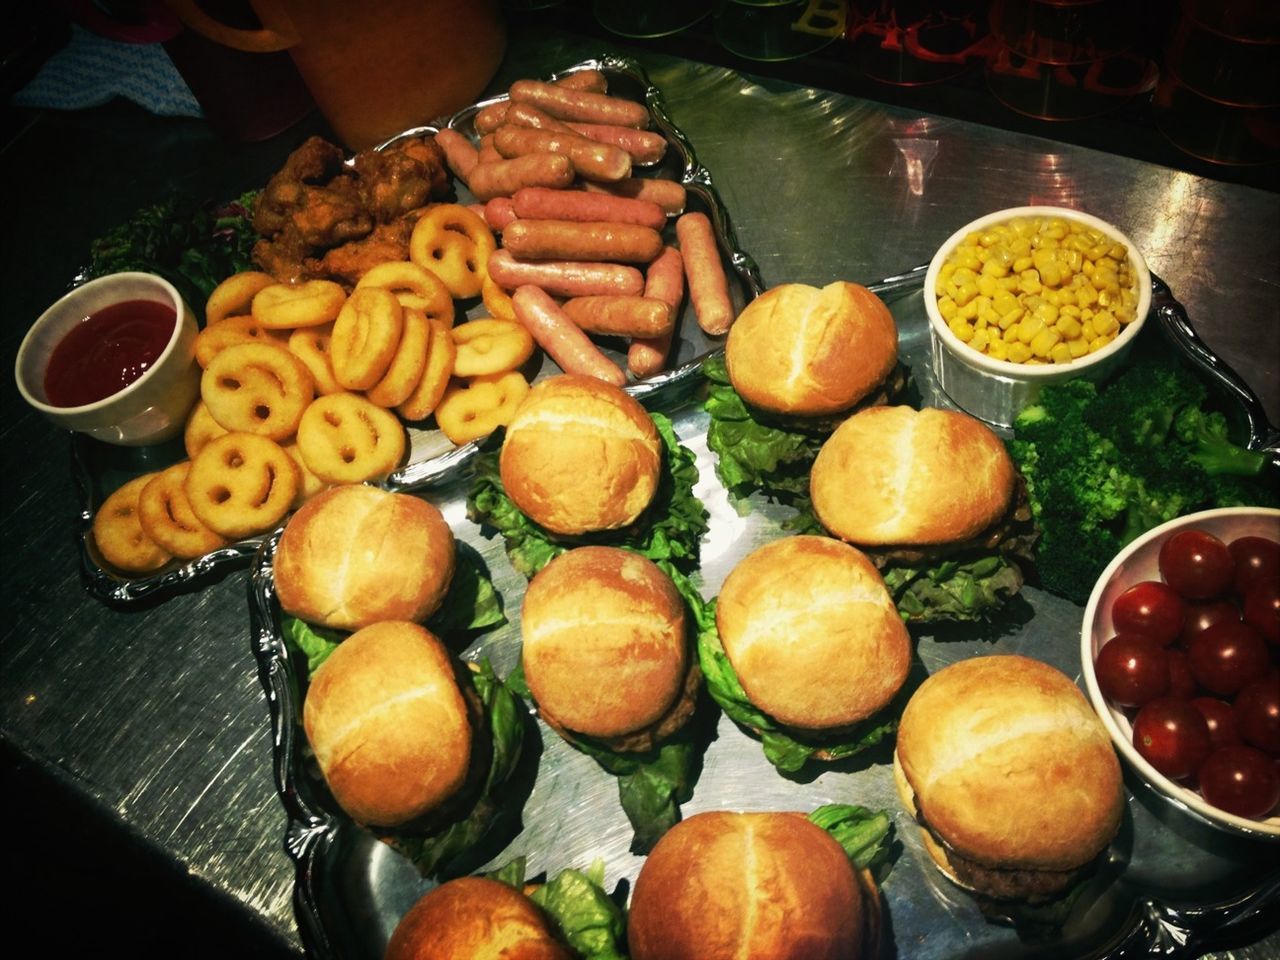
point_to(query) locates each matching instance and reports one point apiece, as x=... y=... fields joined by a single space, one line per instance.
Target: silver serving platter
x=431 y=457
x=1169 y=886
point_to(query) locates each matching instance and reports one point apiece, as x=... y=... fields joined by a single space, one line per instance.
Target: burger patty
x=650 y=737
x=1014 y=534
x=888 y=391
x=1010 y=883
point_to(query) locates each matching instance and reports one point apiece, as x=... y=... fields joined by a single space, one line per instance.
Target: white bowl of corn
x=1030 y=296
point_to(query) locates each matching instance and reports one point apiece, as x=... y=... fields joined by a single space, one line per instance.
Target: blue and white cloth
x=90 y=70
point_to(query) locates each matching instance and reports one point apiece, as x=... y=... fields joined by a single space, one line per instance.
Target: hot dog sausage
x=527 y=115
x=644 y=146
x=556 y=334
x=667 y=194
x=664 y=280
x=489 y=119
x=502 y=178
x=592 y=161
x=595 y=240
x=459 y=152
x=487 y=152
x=499 y=212
x=565 y=278
x=592 y=80
x=539 y=203
x=620 y=316
x=580 y=105
x=708 y=286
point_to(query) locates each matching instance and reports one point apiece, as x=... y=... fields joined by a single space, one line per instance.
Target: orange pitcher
x=377 y=67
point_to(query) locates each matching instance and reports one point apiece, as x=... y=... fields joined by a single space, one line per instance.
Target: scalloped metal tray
x=1170 y=887
x=432 y=458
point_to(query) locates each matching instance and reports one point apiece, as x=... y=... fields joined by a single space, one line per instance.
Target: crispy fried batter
x=316 y=206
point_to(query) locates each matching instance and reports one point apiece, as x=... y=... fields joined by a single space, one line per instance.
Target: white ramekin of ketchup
x=114 y=358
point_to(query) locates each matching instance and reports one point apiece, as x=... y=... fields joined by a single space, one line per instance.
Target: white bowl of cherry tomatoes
x=1180 y=651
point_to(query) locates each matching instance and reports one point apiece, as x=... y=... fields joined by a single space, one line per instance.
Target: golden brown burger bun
x=605 y=650
x=1009 y=765
x=770 y=886
x=806 y=351
x=896 y=476
x=580 y=455
x=812 y=632
x=474 y=918
x=388 y=724
x=354 y=555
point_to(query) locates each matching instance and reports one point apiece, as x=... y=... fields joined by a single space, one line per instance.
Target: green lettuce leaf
x=590 y=922
x=781 y=748
x=671 y=529
x=576 y=903
x=193 y=245
x=315 y=643
x=954 y=589
x=472 y=603
x=433 y=854
x=865 y=835
x=751 y=454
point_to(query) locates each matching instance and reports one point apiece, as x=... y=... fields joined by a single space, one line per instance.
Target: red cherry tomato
x=1203 y=614
x=1262 y=610
x=1257 y=713
x=1226 y=657
x=1182 y=686
x=1257 y=561
x=1172 y=736
x=1196 y=564
x=1220 y=718
x=1149 y=609
x=1132 y=670
x=1240 y=780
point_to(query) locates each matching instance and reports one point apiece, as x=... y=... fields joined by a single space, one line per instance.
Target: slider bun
x=895 y=476
x=474 y=918
x=771 y=886
x=812 y=632
x=388 y=724
x=806 y=351
x=605 y=651
x=580 y=455
x=1009 y=765
x=355 y=555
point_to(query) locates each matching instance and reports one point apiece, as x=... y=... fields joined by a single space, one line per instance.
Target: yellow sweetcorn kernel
x=965 y=292
x=1079 y=346
x=997 y=349
x=1021 y=264
x=1029 y=281
x=1061 y=353
x=962 y=329
x=1069 y=309
x=1010 y=335
x=1097 y=343
x=1068 y=326
x=946 y=307
x=987 y=283
x=987 y=315
x=1087 y=330
x=980 y=340
x=1086 y=295
x=1044 y=341
x=1105 y=323
x=1004 y=301
x=1010 y=318
x=1028 y=327
x=1019 y=352
x=969 y=311
x=1047 y=312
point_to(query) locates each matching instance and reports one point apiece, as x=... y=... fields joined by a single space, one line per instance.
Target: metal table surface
x=156 y=714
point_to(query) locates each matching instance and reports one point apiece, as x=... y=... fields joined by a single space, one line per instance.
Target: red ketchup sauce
x=107 y=351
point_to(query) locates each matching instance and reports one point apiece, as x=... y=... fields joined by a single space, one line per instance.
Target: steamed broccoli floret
x=1205 y=433
x=1104 y=466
